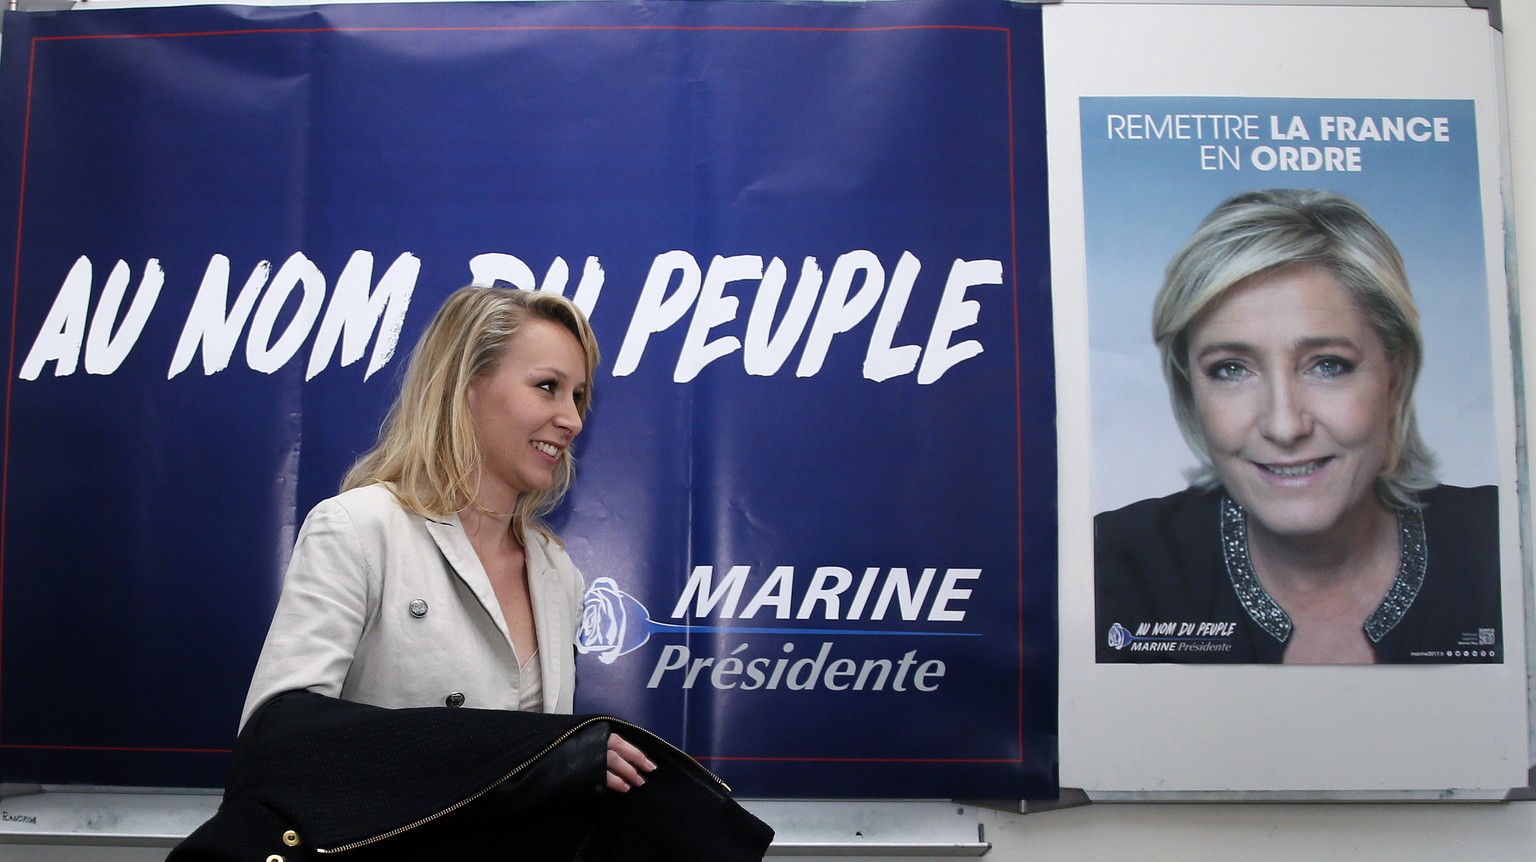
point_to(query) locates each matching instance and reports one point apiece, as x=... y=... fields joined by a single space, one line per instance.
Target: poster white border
x=1366 y=732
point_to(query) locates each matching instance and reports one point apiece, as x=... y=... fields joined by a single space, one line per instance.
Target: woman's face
x=1294 y=393
x=527 y=410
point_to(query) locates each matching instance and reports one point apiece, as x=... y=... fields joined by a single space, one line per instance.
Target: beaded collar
x=1413 y=558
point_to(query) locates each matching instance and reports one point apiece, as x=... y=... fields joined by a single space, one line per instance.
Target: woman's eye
x=1332 y=366
x=1230 y=369
x=547 y=385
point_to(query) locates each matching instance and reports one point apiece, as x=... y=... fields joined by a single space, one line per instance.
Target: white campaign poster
x=1158 y=113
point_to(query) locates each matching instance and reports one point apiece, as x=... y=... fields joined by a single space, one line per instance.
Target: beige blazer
x=386 y=607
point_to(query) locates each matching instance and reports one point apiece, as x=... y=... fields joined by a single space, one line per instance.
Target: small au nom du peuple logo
x=1173 y=636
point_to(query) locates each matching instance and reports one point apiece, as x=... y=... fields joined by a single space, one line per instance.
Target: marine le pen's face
x=1294 y=392
x=527 y=410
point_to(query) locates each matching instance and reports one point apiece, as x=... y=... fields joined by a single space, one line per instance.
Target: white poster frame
x=1245 y=731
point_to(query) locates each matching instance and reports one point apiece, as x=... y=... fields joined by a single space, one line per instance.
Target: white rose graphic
x=613 y=622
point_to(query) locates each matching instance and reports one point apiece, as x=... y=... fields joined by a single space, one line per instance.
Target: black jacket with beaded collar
x=1161 y=561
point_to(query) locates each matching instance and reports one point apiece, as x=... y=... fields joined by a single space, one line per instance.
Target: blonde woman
x=1314 y=530
x=431 y=580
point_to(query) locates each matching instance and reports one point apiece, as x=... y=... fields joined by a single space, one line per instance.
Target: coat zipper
x=399 y=830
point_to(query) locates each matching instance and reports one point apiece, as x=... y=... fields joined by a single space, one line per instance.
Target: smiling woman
x=428 y=611
x=431 y=580
x=1290 y=344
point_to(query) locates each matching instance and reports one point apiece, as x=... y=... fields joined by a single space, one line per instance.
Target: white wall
x=1251 y=832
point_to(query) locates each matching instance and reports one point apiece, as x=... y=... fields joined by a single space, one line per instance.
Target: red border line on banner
x=10 y=372
x=1018 y=384
x=526 y=29
x=747 y=759
x=1014 y=250
x=132 y=750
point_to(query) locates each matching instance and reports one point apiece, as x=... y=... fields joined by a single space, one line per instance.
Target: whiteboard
x=1383 y=732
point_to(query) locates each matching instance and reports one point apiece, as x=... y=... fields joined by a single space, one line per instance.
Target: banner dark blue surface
x=816 y=501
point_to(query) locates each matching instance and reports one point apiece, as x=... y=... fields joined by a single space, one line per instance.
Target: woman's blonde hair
x=1262 y=231
x=428 y=454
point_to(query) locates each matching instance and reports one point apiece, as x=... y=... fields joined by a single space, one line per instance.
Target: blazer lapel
x=549 y=616
x=460 y=554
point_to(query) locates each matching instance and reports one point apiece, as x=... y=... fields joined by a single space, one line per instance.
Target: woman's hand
x=627 y=764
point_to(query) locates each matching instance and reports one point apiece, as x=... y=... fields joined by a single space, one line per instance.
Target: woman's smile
x=1295 y=471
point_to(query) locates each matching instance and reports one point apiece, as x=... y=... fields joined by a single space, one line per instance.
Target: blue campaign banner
x=816 y=500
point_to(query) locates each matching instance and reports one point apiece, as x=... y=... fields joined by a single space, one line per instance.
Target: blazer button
x=418 y=608
x=276 y=858
x=291 y=838
x=455 y=699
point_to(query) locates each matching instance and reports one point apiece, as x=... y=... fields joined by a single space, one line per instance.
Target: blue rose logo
x=1119 y=636
x=613 y=622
